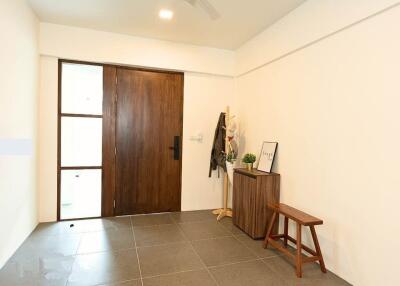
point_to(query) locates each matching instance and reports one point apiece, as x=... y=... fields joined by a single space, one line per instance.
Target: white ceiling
x=240 y=19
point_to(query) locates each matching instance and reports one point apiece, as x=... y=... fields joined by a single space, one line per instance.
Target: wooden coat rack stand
x=225 y=211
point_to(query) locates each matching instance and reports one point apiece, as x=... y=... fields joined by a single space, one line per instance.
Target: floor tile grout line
x=212 y=238
x=258 y=258
x=164 y=244
x=79 y=244
x=187 y=242
x=174 y=221
x=74 y=256
x=172 y=218
x=283 y=277
x=201 y=260
x=275 y=272
x=233 y=263
x=173 y=273
x=150 y=225
x=176 y=242
x=116 y=283
x=196 y=221
x=252 y=251
x=264 y=261
x=76 y=233
x=183 y=241
x=137 y=253
x=103 y=251
x=116 y=227
x=165 y=224
x=242 y=243
x=153 y=225
x=147 y=246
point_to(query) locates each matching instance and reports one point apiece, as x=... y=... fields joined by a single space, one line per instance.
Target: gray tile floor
x=177 y=249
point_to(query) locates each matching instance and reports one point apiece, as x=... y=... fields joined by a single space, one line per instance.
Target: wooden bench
x=301 y=219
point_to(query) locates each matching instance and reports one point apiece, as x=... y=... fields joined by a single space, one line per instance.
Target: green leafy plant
x=231 y=158
x=249 y=158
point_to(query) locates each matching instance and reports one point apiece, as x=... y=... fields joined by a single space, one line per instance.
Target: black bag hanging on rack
x=218 y=158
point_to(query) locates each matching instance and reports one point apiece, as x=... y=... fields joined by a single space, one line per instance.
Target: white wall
x=18 y=103
x=208 y=89
x=47 y=134
x=333 y=108
x=313 y=20
x=90 y=45
x=205 y=96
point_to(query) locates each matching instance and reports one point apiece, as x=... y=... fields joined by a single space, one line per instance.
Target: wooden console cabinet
x=252 y=192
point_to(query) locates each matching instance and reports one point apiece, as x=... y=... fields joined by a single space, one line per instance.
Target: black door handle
x=176 y=147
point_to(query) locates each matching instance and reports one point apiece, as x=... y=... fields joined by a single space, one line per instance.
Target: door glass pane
x=81 y=141
x=80 y=193
x=82 y=89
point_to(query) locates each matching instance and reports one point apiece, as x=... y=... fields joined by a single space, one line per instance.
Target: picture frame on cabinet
x=267 y=156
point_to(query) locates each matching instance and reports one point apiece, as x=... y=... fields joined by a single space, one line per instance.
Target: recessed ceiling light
x=166 y=14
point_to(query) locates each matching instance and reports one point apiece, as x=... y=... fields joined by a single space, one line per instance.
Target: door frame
x=109 y=115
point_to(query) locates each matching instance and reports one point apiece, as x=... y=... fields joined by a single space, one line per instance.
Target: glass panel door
x=81 y=193
x=80 y=140
x=82 y=89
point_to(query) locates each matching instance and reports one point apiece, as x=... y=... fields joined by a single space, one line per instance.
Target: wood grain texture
x=298 y=251
x=253 y=191
x=109 y=113
x=317 y=249
x=243 y=210
x=295 y=214
x=149 y=116
x=254 y=173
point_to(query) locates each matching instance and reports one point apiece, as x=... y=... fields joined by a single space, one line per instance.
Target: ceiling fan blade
x=209 y=8
x=206 y=6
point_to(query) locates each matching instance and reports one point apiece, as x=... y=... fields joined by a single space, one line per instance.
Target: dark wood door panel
x=243 y=200
x=149 y=116
x=109 y=109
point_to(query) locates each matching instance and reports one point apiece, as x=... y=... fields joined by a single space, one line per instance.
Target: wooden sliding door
x=148 y=139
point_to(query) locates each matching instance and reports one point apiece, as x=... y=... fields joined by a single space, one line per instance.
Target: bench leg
x=318 y=249
x=269 y=231
x=286 y=226
x=298 y=255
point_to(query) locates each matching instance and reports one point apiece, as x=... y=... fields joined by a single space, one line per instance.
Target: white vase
x=229 y=170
